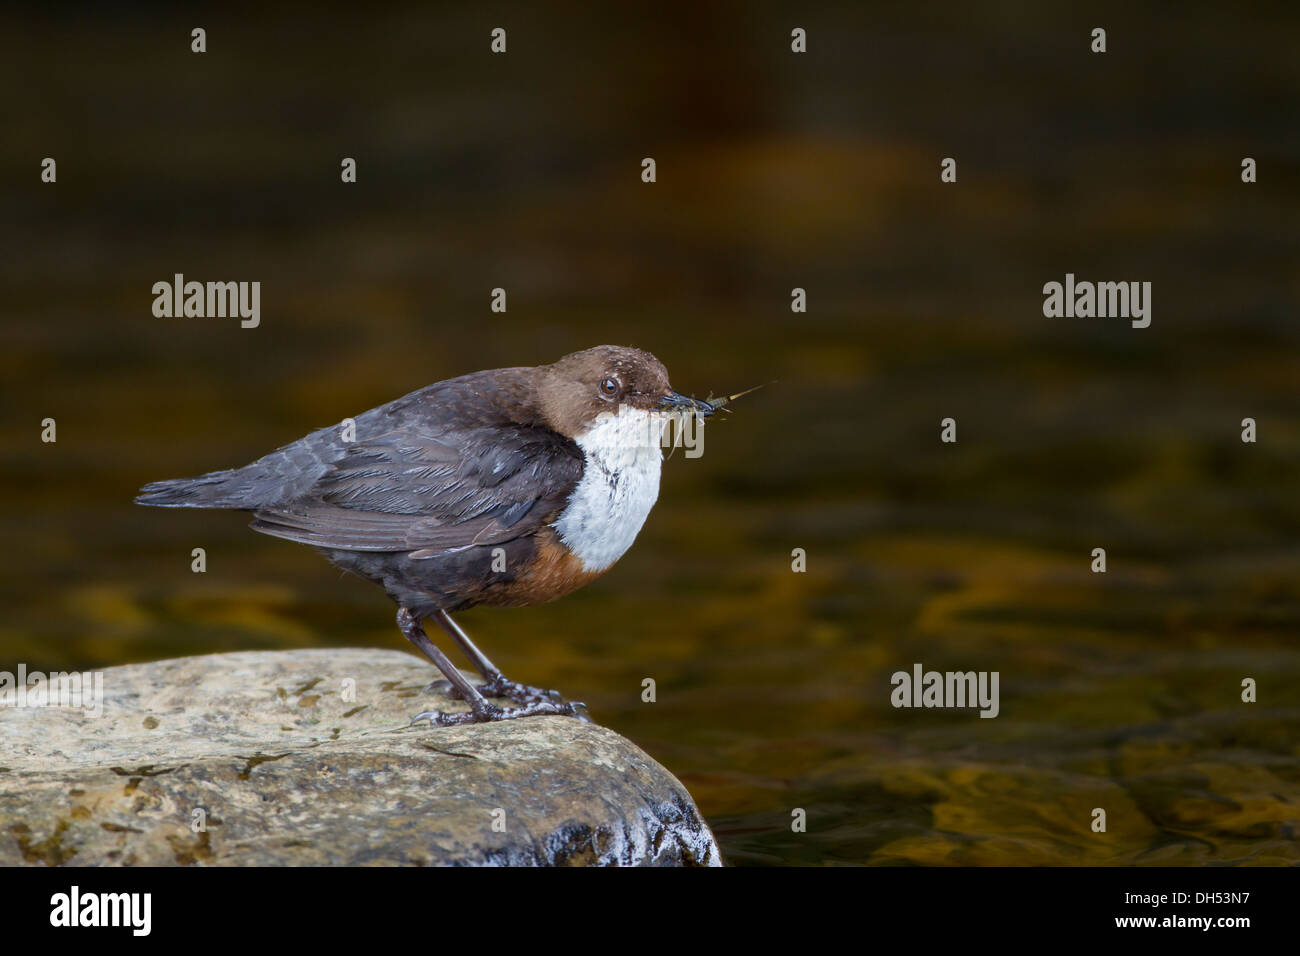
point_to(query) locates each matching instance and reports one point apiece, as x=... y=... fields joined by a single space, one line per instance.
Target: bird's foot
x=499 y=686
x=488 y=713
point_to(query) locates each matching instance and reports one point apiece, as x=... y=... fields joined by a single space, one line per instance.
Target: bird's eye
x=609 y=387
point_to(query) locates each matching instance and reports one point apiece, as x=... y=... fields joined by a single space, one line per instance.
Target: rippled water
x=1119 y=691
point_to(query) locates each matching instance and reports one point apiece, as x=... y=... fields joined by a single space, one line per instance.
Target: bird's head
x=587 y=387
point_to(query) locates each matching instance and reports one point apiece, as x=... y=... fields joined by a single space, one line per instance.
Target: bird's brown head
x=582 y=386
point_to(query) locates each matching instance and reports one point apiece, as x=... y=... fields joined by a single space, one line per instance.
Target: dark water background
x=821 y=171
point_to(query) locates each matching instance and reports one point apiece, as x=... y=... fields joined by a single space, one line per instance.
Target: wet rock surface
x=307 y=757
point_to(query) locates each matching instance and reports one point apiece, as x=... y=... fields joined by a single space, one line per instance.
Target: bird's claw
x=497 y=687
x=489 y=713
x=504 y=687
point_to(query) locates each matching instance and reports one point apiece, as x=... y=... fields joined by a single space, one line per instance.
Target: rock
x=287 y=769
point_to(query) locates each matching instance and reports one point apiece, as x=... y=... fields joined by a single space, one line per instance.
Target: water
x=1120 y=691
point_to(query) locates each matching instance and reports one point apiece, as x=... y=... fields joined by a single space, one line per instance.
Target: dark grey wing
x=403 y=491
x=498 y=398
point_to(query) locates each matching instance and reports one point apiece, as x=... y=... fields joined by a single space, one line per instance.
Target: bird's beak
x=676 y=401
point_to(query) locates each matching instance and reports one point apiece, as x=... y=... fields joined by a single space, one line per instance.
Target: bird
x=504 y=488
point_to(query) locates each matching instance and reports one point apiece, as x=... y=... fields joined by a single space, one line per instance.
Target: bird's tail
x=213 y=490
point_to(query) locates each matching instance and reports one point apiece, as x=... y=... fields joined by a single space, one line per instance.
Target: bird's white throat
x=619 y=486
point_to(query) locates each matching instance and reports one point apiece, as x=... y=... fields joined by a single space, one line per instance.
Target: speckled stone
x=307 y=757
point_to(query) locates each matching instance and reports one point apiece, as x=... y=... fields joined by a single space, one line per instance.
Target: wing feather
x=404 y=491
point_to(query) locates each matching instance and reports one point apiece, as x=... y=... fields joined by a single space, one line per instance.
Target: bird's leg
x=497 y=684
x=480 y=711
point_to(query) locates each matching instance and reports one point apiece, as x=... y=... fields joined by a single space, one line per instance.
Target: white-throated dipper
x=508 y=487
